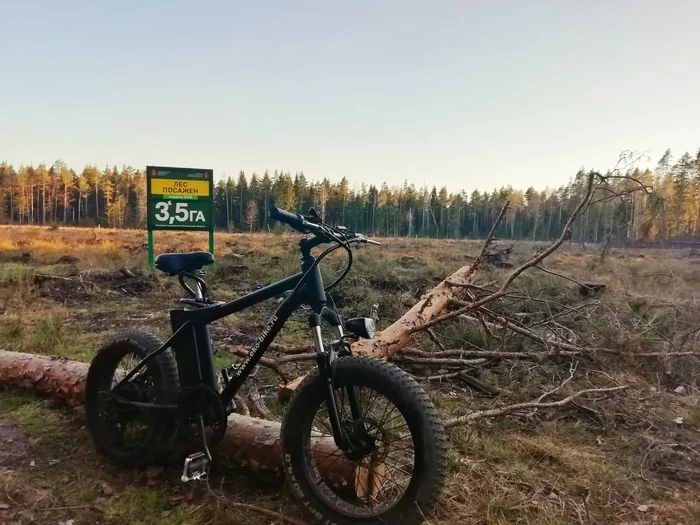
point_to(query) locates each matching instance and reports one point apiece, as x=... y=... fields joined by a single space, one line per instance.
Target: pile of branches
x=519 y=326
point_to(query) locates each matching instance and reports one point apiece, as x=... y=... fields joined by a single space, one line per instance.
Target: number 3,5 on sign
x=180 y=214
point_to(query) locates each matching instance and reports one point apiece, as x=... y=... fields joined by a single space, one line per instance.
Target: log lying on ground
x=57 y=377
x=397 y=336
x=248 y=441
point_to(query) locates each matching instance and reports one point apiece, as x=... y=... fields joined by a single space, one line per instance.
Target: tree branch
x=566 y=233
x=508 y=409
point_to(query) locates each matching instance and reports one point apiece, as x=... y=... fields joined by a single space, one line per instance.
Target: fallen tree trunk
x=57 y=377
x=429 y=310
x=397 y=336
x=249 y=441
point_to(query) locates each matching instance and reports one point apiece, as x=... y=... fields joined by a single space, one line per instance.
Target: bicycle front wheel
x=396 y=468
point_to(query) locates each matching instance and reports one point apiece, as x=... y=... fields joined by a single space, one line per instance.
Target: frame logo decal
x=257 y=344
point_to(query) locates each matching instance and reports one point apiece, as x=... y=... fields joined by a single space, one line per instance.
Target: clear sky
x=457 y=93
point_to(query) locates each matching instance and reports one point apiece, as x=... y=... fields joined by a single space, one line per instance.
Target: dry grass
x=600 y=462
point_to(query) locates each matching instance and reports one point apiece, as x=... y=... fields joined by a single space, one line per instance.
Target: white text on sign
x=181 y=213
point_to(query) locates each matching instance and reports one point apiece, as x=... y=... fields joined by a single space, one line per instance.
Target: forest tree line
x=113 y=197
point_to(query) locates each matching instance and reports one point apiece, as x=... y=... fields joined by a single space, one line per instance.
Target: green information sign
x=179 y=199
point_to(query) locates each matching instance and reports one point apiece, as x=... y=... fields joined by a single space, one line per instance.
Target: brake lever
x=312 y=226
x=362 y=238
x=313 y=214
x=319 y=230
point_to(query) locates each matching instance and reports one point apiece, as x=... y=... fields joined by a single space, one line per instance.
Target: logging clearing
x=567 y=373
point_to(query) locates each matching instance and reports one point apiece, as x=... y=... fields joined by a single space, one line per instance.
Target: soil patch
x=14 y=445
x=78 y=289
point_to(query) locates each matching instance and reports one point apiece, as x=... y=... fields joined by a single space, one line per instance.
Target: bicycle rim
x=373 y=483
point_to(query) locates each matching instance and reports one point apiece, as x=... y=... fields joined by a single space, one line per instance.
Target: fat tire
x=402 y=390
x=164 y=370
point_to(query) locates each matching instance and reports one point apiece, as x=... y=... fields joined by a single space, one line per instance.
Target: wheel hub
x=360 y=443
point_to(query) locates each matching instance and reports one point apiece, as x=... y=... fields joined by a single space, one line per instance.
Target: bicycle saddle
x=175 y=263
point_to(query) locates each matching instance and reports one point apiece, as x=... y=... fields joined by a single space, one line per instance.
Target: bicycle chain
x=192 y=401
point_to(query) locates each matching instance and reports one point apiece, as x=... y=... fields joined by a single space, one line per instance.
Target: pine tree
x=230 y=202
x=696 y=192
x=266 y=190
x=242 y=190
x=44 y=178
x=682 y=205
x=301 y=191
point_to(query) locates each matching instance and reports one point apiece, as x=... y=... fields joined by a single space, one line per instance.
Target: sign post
x=179 y=199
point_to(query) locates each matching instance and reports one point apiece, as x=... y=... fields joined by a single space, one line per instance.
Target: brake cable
x=340 y=244
x=346 y=246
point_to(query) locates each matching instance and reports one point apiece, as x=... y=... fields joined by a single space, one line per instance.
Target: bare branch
x=435 y=339
x=572 y=370
x=556 y=274
x=489 y=240
x=508 y=409
x=258 y=402
x=566 y=233
x=401 y=358
x=440 y=377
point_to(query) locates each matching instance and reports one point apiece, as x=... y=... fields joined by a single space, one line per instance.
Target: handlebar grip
x=295 y=220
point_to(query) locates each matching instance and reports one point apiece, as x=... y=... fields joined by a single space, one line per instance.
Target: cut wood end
x=369 y=481
x=286 y=391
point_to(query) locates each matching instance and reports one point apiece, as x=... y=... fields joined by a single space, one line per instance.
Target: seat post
x=199 y=293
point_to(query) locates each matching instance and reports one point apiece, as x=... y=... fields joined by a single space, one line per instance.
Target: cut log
x=57 y=377
x=249 y=441
x=369 y=481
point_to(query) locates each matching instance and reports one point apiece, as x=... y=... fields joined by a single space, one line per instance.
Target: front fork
x=325 y=358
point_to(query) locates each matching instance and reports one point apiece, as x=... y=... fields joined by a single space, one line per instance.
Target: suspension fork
x=334 y=320
x=354 y=403
x=325 y=358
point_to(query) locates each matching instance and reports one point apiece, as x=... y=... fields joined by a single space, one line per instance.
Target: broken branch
x=508 y=409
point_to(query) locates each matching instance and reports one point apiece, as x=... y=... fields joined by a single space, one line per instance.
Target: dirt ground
x=632 y=457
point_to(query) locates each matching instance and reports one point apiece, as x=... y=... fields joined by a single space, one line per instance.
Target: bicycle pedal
x=196 y=466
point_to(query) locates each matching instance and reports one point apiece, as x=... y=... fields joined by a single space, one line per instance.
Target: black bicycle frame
x=192 y=343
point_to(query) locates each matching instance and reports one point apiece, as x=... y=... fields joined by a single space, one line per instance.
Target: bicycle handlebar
x=295 y=220
x=300 y=223
x=322 y=233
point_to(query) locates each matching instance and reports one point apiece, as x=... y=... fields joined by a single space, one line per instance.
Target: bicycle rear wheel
x=127 y=435
x=397 y=469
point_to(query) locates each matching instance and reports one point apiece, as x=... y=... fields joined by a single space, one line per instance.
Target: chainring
x=202 y=400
